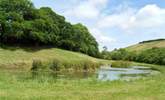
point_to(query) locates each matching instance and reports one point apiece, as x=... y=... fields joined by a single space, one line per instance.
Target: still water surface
x=103 y=74
x=134 y=72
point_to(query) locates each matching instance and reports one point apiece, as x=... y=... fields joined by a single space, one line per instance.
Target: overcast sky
x=114 y=23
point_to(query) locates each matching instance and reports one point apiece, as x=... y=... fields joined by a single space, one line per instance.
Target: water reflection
x=102 y=74
x=59 y=75
x=124 y=73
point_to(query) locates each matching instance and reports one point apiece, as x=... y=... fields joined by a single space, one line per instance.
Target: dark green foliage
x=105 y=53
x=152 y=56
x=21 y=23
x=121 y=54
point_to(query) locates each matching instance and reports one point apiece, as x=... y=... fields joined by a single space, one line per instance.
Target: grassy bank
x=23 y=58
x=13 y=87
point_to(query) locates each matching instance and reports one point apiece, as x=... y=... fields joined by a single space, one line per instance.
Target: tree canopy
x=22 y=23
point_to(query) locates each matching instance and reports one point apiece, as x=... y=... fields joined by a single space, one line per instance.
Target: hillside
x=151 y=51
x=22 y=58
x=159 y=43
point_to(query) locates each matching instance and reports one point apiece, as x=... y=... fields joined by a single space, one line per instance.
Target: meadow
x=17 y=82
x=16 y=86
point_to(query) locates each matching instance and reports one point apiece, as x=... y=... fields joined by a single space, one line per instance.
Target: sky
x=114 y=23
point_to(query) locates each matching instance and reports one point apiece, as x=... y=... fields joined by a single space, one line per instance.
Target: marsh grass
x=58 y=65
x=121 y=64
x=55 y=65
x=36 y=64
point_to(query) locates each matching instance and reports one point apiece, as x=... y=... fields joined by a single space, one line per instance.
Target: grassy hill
x=159 y=43
x=22 y=58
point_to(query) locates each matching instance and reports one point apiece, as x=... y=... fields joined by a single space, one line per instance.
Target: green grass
x=13 y=87
x=22 y=58
x=144 y=46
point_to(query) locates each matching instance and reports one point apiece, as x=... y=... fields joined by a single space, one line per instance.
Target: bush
x=152 y=56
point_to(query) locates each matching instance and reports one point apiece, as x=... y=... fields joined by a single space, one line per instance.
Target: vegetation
x=22 y=24
x=159 y=43
x=57 y=65
x=121 y=54
x=152 y=51
x=121 y=64
x=36 y=65
x=49 y=88
x=34 y=36
x=45 y=58
x=152 y=56
x=151 y=41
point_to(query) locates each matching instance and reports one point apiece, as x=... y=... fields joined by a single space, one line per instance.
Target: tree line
x=152 y=56
x=151 y=41
x=22 y=23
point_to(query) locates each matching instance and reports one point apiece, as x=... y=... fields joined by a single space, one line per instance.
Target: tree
x=21 y=23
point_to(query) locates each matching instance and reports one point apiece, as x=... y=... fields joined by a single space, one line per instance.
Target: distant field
x=21 y=58
x=147 y=45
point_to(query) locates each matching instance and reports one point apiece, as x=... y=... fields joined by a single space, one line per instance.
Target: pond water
x=103 y=74
x=134 y=72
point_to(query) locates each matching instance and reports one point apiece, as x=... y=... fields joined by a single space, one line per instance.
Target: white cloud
x=87 y=9
x=98 y=2
x=150 y=16
x=102 y=38
x=83 y=11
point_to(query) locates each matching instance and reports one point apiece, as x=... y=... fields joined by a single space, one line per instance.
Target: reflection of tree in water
x=34 y=74
x=54 y=76
x=85 y=74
